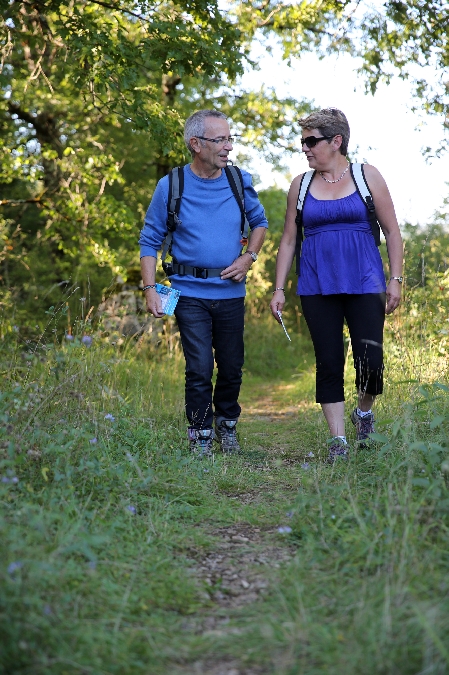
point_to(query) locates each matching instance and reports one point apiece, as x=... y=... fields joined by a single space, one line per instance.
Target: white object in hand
x=282 y=324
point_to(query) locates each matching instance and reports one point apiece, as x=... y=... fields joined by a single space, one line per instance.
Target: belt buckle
x=200 y=273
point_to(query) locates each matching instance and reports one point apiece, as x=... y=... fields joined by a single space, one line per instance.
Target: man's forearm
x=256 y=239
x=148 y=267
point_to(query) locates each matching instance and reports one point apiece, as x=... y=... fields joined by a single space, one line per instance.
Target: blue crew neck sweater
x=209 y=234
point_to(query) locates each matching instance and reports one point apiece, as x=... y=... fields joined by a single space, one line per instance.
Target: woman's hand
x=393 y=296
x=277 y=304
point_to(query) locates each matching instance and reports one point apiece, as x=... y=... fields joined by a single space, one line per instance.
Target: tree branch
x=118 y=9
x=16 y=202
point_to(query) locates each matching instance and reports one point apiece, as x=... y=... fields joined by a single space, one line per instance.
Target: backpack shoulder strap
x=303 y=190
x=235 y=179
x=175 y=190
x=358 y=176
x=302 y=194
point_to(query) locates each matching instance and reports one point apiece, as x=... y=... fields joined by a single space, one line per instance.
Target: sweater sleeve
x=254 y=209
x=155 y=224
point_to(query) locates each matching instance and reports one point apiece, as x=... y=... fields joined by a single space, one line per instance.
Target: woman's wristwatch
x=400 y=279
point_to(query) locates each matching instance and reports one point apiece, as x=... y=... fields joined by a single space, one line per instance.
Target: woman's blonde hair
x=329 y=122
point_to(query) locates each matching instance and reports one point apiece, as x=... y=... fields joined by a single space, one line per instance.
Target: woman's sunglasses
x=311 y=141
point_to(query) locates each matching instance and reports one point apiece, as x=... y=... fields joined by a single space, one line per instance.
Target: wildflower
x=47 y=610
x=284 y=529
x=14 y=566
x=310 y=454
x=86 y=340
x=5 y=479
x=14 y=479
x=289 y=514
x=92 y=564
x=82 y=299
x=305 y=466
x=131 y=509
x=333 y=516
x=69 y=337
x=108 y=416
x=93 y=441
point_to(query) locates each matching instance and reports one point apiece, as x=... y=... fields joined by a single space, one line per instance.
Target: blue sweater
x=209 y=235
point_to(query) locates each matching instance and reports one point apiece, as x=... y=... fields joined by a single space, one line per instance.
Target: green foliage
x=403 y=38
x=104 y=515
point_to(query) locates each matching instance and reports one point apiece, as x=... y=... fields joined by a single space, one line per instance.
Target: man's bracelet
x=400 y=279
x=278 y=289
x=145 y=288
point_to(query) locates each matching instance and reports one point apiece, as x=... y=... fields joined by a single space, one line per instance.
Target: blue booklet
x=169 y=298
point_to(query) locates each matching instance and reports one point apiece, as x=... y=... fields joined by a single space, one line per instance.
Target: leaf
x=437 y=421
x=379 y=438
x=383 y=451
x=418 y=445
x=421 y=482
x=438 y=385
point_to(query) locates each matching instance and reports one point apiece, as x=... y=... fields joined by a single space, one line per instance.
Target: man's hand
x=154 y=305
x=393 y=296
x=238 y=270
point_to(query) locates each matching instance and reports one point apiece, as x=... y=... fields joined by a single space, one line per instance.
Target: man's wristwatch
x=253 y=255
x=400 y=279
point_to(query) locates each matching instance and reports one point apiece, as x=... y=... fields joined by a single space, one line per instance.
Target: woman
x=341 y=274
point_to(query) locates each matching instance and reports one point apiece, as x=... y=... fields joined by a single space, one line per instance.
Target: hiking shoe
x=226 y=435
x=200 y=442
x=337 y=449
x=363 y=427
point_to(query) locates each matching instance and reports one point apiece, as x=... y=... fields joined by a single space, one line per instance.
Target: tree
x=95 y=96
x=392 y=38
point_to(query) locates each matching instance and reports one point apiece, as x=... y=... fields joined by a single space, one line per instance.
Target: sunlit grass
x=104 y=511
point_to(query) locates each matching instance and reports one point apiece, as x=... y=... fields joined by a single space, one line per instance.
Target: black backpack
x=175 y=190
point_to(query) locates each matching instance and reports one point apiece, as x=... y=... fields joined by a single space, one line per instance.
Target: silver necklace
x=334 y=181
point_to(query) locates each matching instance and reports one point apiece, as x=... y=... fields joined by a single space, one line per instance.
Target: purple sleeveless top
x=339 y=254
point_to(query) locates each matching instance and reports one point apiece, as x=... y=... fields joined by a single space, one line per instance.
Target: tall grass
x=104 y=513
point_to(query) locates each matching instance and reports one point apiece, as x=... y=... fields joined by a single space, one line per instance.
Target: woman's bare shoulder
x=296 y=182
x=373 y=175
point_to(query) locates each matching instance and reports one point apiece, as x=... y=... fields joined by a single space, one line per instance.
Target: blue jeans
x=211 y=328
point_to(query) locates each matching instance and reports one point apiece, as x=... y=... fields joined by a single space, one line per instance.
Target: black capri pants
x=365 y=316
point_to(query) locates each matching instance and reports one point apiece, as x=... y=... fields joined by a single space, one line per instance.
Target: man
x=210 y=311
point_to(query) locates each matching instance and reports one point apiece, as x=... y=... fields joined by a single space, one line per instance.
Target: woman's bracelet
x=145 y=288
x=278 y=289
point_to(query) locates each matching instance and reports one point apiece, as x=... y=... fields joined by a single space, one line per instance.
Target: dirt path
x=241 y=567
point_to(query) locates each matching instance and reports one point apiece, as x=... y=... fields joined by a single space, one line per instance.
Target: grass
x=115 y=541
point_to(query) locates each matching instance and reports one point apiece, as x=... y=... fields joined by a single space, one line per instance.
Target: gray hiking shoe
x=337 y=449
x=363 y=427
x=226 y=435
x=200 y=442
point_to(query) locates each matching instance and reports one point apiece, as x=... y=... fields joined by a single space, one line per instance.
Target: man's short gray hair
x=194 y=126
x=329 y=122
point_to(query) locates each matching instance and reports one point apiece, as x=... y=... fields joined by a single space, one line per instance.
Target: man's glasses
x=311 y=141
x=222 y=140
